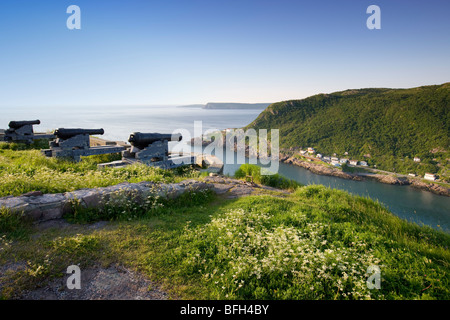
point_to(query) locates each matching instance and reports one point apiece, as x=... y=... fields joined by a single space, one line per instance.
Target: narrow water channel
x=421 y=207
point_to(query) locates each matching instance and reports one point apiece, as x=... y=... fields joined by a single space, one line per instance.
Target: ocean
x=119 y=121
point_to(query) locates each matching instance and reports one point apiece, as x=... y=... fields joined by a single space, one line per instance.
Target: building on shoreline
x=430 y=176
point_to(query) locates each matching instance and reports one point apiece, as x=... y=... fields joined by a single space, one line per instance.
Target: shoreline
x=382 y=178
x=388 y=178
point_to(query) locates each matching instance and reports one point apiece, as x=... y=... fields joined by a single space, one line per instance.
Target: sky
x=175 y=52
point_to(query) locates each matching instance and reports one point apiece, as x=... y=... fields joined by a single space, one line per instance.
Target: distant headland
x=228 y=105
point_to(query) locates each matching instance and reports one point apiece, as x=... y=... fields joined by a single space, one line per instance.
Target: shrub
x=253 y=173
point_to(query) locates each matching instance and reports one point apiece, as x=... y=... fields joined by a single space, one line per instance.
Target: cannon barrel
x=19 y=124
x=143 y=140
x=64 y=133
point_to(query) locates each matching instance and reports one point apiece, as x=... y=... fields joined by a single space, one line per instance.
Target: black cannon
x=22 y=131
x=153 y=150
x=20 y=124
x=143 y=140
x=64 y=133
x=150 y=147
x=75 y=143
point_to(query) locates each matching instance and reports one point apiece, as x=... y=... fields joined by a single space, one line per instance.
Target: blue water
x=406 y=202
x=118 y=122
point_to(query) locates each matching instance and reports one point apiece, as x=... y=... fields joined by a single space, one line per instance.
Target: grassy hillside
x=24 y=169
x=391 y=125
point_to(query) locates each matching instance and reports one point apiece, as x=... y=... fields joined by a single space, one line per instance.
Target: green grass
x=316 y=243
x=252 y=172
x=347 y=168
x=24 y=169
x=14 y=225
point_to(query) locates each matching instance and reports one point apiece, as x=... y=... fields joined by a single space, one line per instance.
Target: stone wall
x=42 y=207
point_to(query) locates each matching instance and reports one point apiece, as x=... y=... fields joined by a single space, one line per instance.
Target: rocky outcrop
x=432 y=187
x=385 y=178
x=232 y=188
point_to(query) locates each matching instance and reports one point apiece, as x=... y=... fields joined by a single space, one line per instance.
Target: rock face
x=388 y=179
x=435 y=188
x=232 y=188
x=43 y=207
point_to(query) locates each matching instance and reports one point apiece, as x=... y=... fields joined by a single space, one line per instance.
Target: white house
x=363 y=163
x=311 y=150
x=430 y=176
x=343 y=161
x=412 y=174
x=326 y=158
x=354 y=162
x=303 y=152
x=334 y=159
x=335 y=163
x=416 y=159
x=319 y=156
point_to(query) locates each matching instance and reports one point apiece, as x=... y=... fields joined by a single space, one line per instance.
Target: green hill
x=391 y=125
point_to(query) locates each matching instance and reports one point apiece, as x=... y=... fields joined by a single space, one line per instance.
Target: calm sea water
x=118 y=122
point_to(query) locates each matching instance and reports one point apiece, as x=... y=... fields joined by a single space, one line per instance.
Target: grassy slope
x=314 y=244
x=388 y=124
x=27 y=170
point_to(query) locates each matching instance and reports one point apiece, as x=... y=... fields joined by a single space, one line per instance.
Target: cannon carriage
x=74 y=143
x=22 y=131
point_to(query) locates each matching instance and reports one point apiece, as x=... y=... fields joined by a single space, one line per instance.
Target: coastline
x=388 y=178
x=358 y=176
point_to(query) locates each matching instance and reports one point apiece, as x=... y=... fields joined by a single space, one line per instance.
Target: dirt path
x=113 y=283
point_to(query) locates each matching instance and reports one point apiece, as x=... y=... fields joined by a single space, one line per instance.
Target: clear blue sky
x=197 y=51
